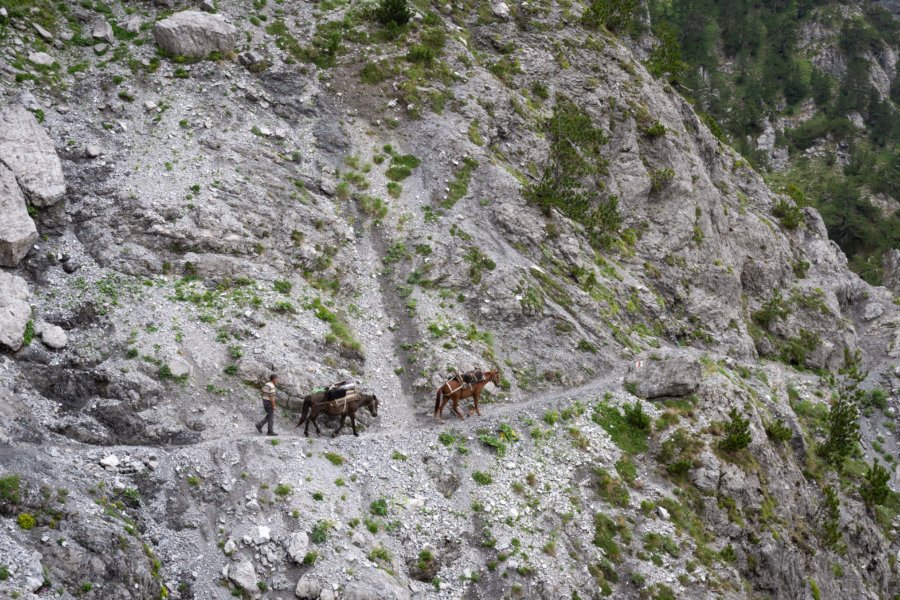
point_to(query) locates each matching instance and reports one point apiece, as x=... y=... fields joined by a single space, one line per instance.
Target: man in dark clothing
x=268 y=398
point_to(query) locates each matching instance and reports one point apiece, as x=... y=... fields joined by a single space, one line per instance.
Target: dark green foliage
x=778 y=431
x=319 y=533
x=570 y=178
x=605 y=530
x=610 y=488
x=665 y=58
x=843 y=417
x=636 y=417
x=373 y=73
x=626 y=436
x=829 y=517
x=795 y=349
x=788 y=213
x=10 y=490
x=618 y=16
x=737 y=433
x=774 y=308
x=379 y=508
x=393 y=12
x=874 y=487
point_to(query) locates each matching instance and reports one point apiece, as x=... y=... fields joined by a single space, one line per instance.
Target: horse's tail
x=307 y=404
x=437 y=400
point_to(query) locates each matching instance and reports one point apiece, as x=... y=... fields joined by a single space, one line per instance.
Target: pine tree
x=831 y=513
x=874 y=488
x=737 y=433
x=843 y=418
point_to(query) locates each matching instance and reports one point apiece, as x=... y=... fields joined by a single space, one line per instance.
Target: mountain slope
x=335 y=198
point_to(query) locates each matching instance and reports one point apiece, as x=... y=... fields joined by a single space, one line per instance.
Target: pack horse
x=461 y=386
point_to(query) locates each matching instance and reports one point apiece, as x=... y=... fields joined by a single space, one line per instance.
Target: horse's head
x=373 y=406
x=495 y=377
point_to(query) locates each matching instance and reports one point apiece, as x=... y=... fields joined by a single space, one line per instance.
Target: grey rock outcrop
x=14 y=310
x=54 y=336
x=665 y=375
x=17 y=230
x=195 y=34
x=297 y=546
x=374 y=584
x=892 y=270
x=307 y=588
x=243 y=575
x=26 y=149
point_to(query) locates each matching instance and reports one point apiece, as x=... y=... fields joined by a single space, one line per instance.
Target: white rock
x=229 y=547
x=15 y=311
x=111 y=461
x=42 y=59
x=102 y=30
x=662 y=512
x=297 y=545
x=263 y=535
x=873 y=310
x=17 y=230
x=194 y=33
x=179 y=367
x=54 y=336
x=243 y=575
x=307 y=588
x=42 y=32
x=500 y=10
x=26 y=149
x=93 y=151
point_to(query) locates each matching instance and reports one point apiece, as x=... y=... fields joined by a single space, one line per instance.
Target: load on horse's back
x=341 y=399
x=464 y=385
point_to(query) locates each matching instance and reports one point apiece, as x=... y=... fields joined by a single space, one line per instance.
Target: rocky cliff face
x=326 y=198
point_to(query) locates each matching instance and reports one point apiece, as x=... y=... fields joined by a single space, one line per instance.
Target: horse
x=456 y=391
x=313 y=404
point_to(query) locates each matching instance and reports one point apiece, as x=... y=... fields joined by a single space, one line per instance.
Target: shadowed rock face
x=195 y=34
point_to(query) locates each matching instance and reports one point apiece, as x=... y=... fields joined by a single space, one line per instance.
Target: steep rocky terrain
x=193 y=202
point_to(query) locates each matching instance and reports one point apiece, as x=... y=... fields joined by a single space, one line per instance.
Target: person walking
x=268 y=398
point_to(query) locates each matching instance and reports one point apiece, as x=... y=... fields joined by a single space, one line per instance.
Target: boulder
x=54 y=336
x=660 y=375
x=263 y=535
x=297 y=545
x=500 y=10
x=17 y=230
x=194 y=33
x=243 y=575
x=41 y=59
x=178 y=367
x=15 y=312
x=102 y=30
x=26 y=149
x=374 y=584
x=307 y=588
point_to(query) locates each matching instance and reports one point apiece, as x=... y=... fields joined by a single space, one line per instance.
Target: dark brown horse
x=314 y=404
x=455 y=390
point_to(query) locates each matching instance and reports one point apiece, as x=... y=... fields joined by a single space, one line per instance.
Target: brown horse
x=314 y=404
x=455 y=390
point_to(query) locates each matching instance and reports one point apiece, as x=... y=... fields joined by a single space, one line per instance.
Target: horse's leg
x=308 y=419
x=444 y=404
x=316 y=423
x=341 y=426
x=476 y=397
x=353 y=424
x=456 y=409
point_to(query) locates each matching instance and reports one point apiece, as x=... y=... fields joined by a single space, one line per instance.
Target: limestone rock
x=28 y=152
x=297 y=546
x=263 y=535
x=179 y=367
x=243 y=575
x=54 y=336
x=14 y=310
x=102 y=30
x=307 y=588
x=42 y=32
x=500 y=10
x=93 y=151
x=669 y=374
x=194 y=33
x=17 y=230
x=375 y=584
x=41 y=59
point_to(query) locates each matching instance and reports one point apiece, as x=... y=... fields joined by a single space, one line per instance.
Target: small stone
x=179 y=367
x=41 y=59
x=54 y=336
x=307 y=588
x=111 y=461
x=229 y=547
x=101 y=30
x=93 y=151
x=297 y=545
x=662 y=512
x=263 y=535
x=43 y=32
